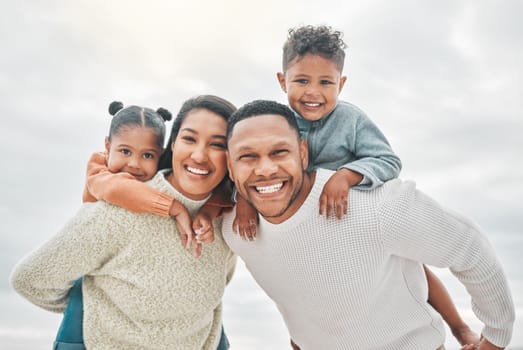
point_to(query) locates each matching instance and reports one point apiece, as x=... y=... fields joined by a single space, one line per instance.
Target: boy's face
x=312 y=84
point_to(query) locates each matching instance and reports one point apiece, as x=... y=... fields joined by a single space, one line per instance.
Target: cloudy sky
x=442 y=79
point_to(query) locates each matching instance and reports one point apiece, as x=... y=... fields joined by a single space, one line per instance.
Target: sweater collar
x=309 y=207
x=160 y=182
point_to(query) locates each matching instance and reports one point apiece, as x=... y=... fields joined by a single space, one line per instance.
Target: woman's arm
x=45 y=276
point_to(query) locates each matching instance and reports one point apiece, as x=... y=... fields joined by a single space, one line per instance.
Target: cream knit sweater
x=356 y=283
x=142 y=289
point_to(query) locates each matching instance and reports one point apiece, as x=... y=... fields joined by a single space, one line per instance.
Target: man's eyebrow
x=281 y=144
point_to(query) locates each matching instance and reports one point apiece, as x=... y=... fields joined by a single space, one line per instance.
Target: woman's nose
x=199 y=154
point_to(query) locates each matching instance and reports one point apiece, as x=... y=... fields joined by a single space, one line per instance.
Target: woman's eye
x=218 y=145
x=189 y=139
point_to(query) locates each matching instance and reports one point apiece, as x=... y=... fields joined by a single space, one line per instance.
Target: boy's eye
x=148 y=156
x=326 y=82
x=301 y=81
x=125 y=152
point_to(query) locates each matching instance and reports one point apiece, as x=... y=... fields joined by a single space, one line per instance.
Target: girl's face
x=199 y=162
x=133 y=150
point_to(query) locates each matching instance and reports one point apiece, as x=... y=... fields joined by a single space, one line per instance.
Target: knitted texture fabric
x=142 y=289
x=357 y=283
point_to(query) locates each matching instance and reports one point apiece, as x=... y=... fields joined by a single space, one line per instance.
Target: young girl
x=132 y=152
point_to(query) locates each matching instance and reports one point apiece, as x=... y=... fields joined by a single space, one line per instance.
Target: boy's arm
x=440 y=300
x=375 y=159
x=123 y=190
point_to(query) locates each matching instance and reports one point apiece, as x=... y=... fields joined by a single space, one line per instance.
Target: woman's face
x=199 y=162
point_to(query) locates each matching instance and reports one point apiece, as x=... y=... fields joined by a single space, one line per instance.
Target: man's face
x=266 y=161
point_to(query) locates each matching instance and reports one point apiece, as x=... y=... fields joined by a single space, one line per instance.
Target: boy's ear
x=107 y=145
x=343 y=80
x=281 y=80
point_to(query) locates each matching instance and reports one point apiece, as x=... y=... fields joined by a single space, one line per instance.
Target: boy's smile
x=312 y=84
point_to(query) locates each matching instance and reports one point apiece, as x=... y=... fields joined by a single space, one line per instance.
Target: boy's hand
x=246 y=219
x=183 y=222
x=336 y=191
x=202 y=226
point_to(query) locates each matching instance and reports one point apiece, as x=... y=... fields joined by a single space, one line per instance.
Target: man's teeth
x=269 y=189
x=198 y=171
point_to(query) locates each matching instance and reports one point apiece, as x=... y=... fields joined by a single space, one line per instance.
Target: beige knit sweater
x=142 y=289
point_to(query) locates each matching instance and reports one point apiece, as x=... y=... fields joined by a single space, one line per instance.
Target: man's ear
x=107 y=145
x=229 y=166
x=304 y=153
x=281 y=80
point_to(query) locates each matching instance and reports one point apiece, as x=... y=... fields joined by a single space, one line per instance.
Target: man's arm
x=418 y=228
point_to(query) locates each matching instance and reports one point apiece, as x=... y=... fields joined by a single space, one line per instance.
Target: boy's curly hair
x=320 y=40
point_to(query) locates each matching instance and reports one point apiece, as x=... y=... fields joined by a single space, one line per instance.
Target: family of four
x=314 y=209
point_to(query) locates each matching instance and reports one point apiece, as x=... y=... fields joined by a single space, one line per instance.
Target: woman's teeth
x=269 y=189
x=197 y=171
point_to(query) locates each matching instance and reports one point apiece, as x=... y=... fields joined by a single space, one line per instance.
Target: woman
x=141 y=288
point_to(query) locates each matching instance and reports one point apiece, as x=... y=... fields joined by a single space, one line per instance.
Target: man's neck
x=306 y=186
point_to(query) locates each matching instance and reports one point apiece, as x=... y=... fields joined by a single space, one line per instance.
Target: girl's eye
x=125 y=152
x=148 y=156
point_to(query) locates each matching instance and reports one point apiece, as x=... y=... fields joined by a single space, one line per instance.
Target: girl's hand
x=183 y=222
x=246 y=219
x=336 y=191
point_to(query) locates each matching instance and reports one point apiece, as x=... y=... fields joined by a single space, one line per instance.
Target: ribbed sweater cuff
x=162 y=204
x=498 y=337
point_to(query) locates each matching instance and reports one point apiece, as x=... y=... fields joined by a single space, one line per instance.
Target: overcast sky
x=442 y=79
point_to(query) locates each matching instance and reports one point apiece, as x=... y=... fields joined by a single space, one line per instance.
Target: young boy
x=341 y=137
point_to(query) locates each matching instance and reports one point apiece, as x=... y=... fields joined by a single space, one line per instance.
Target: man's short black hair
x=261 y=107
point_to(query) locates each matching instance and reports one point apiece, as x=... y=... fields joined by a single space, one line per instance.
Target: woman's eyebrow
x=220 y=136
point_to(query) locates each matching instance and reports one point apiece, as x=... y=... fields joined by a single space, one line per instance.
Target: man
x=358 y=282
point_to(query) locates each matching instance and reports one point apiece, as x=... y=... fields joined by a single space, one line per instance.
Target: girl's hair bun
x=114 y=107
x=165 y=114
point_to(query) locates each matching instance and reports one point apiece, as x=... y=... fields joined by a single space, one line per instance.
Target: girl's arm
x=123 y=190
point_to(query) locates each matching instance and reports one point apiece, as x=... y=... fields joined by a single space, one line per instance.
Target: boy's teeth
x=312 y=104
x=269 y=189
x=198 y=171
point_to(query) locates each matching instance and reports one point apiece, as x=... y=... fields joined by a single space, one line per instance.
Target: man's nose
x=265 y=167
